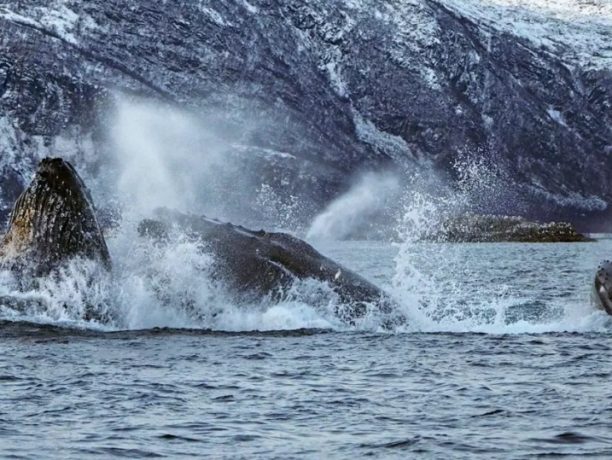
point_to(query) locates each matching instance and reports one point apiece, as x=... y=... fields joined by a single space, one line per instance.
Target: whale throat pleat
x=53 y=220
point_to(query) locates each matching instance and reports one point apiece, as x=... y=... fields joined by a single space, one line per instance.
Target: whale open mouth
x=603 y=287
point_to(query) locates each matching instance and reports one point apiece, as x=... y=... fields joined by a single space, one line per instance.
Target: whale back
x=264 y=263
x=52 y=221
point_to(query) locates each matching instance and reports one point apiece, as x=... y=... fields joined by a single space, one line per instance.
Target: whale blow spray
x=354 y=209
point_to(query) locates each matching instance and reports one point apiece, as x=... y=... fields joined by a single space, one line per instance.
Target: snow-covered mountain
x=310 y=93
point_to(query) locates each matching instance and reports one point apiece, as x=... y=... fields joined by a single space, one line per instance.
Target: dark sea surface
x=504 y=357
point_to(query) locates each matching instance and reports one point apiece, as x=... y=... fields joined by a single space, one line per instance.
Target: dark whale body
x=602 y=288
x=52 y=222
x=262 y=264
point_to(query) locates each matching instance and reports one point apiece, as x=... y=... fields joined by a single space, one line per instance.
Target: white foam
x=445 y=287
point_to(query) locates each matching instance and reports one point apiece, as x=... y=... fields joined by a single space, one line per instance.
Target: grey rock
x=489 y=228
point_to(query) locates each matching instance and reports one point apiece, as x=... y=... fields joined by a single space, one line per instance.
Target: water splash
x=449 y=287
x=70 y=297
x=201 y=161
x=282 y=212
x=350 y=212
x=163 y=285
x=164 y=157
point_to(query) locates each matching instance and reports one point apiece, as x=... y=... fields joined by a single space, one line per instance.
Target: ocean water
x=503 y=356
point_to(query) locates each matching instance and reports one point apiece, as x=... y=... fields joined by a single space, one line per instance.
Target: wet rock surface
x=477 y=228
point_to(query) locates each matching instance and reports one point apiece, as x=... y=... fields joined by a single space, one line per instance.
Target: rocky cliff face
x=334 y=87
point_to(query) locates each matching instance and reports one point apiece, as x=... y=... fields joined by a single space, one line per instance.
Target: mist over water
x=353 y=210
x=168 y=157
x=155 y=148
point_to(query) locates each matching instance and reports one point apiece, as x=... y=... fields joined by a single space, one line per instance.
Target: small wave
x=570 y=437
x=398 y=444
x=40 y=330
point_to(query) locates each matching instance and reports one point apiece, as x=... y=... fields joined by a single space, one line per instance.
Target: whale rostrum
x=602 y=287
x=53 y=221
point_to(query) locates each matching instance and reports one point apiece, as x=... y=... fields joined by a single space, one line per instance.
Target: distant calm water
x=504 y=357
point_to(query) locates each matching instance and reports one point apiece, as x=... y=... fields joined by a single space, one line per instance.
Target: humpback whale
x=602 y=288
x=52 y=222
x=260 y=264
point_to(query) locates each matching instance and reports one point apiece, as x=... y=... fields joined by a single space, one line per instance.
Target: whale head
x=53 y=221
x=603 y=287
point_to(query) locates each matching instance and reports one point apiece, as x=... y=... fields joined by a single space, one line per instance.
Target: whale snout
x=60 y=176
x=603 y=287
x=55 y=167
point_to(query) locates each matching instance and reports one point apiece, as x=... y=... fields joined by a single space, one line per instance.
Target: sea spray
x=449 y=287
x=164 y=157
x=353 y=210
x=438 y=283
x=161 y=285
x=78 y=295
x=203 y=162
x=282 y=212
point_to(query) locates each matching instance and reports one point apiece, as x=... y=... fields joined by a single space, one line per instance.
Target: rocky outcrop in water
x=475 y=228
x=335 y=88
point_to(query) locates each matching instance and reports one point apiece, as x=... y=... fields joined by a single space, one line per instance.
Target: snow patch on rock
x=557 y=116
x=578 y=30
x=214 y=15
x=56 y=17
x=368 y=132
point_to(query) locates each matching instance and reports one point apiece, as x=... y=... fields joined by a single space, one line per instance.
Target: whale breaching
x=54 y=222
x=258 y=264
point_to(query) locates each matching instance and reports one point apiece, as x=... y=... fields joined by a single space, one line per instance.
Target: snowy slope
x=310 y=93
x=580 y=31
